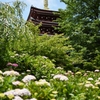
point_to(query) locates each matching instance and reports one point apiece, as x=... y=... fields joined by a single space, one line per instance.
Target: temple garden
x=63 y=66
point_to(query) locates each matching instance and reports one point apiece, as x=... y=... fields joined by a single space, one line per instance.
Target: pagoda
x=46 y=17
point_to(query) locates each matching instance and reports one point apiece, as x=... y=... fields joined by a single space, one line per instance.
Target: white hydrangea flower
x=1 y=72
x=42 y=82
x=97 y=83
x=23 y=73
x=52 y=74
x=25 y=91
x=60 y=77
x=88 y=82
x=97 y=70
x=54 y=92
x=23 y=54
x=22 y=92
x=11 y=73
x=59 y=68
x=88 y=71
x=44 y=57
x=63 y=78
x=18 y=92
x=28 y=78
x=96 y=80
x=17 y=83
x=89 y=85
x=28 y=70
x=69 y=73
x=17 y=98
x=90 y=79
x=17 y=54
x=99 y=78
x=43 y=76
x=2 y=95
x=1 y=79
x=78 y=73
x=12 y=56
x=32 y=99
x=11 y=92
x=98 y=97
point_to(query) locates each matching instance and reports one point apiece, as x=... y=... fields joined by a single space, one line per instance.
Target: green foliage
x=44 y=67
x=40 y=66
x=6 y=83
x=81 y=21
x=41 y=92
x=54 y=47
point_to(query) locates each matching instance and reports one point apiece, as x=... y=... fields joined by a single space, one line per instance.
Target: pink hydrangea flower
x=12 y=65
x=15 y=65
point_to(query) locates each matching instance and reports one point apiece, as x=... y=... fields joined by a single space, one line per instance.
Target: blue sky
x=52 y=4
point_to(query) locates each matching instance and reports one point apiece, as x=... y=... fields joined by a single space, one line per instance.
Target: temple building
x=46 y=17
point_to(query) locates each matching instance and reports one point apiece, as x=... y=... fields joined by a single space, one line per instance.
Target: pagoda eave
x=44 y=17
x=45 y=23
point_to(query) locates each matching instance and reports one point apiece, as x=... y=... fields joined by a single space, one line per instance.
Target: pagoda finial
x=46 y=4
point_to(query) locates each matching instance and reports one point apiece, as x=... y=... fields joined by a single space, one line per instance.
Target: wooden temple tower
x=46 y=17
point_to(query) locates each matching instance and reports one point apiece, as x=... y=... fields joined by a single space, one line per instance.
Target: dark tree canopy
x=80 y=21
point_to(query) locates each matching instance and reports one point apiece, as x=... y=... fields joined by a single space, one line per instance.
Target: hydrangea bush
x=81 y=85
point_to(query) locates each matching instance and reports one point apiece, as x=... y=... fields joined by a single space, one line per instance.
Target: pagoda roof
x=35 y=10
x=46 y=18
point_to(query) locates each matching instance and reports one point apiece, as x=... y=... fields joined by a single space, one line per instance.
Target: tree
x=80 y=21
x=11 y=23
